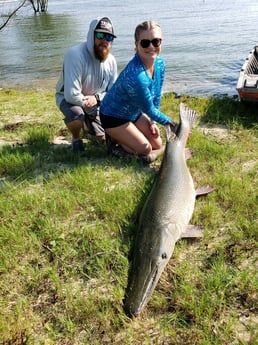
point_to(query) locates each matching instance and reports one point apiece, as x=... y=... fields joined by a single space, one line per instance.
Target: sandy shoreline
x=40 y=84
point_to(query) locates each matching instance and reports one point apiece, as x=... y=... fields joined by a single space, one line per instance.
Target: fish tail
x=187 y=116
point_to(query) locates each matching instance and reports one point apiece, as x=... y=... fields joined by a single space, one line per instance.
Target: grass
x=67 y=224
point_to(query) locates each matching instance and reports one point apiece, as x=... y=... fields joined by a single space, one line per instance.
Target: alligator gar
x=164 y=218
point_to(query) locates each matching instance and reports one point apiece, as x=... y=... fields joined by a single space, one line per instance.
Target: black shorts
x=112 y=122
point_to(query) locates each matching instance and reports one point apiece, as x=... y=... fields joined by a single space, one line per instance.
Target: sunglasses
x=156 y=42
x=102 y=36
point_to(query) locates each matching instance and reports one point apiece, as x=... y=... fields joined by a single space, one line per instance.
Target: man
x=89 y=70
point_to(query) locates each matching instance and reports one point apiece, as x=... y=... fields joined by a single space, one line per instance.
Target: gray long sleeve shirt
x=83 y=74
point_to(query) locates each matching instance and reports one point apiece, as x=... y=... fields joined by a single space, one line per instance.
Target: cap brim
x=105 y=32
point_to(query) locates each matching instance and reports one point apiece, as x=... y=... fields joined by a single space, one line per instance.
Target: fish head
x=148 y=263
x=141 y=288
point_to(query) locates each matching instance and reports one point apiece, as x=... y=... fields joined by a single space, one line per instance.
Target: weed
x=67 y=225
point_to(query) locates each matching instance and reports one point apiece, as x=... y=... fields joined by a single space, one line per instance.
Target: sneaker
x=117 y=151
x=77 y=146
x=145 y=159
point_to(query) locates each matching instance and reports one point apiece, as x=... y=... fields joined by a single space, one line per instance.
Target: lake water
x=205 y=42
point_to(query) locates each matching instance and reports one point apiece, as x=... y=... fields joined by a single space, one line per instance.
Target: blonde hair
x=147 y=25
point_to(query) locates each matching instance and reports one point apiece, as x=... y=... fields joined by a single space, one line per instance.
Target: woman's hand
x=173 y=126
x=154 y=129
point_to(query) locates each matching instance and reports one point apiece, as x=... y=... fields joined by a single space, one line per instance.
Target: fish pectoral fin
x=188 y=153
x=204 y=190
x=192 y=231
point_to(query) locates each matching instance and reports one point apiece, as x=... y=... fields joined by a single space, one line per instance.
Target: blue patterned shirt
x=135 y=92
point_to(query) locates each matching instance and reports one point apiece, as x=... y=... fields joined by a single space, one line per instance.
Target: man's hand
x=89 y=101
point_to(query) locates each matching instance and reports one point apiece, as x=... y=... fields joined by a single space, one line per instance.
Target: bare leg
x=143 y=124
x=130 y=138
x=75 y=128
x=155 y=154
x=137 y=138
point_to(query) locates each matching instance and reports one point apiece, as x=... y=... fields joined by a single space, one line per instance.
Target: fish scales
x=165 y=215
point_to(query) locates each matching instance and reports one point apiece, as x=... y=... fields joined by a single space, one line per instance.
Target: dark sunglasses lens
x=156 y=42
x=109 y=38
x=145 y=43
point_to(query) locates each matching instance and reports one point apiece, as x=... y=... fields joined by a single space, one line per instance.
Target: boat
x=247 y=85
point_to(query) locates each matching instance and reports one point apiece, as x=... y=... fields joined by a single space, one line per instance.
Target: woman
x=131 y=106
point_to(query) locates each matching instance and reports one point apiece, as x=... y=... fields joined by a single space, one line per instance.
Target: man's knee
x=71 y=112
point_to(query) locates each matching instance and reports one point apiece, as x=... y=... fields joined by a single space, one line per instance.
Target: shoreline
x=43 y=84
x=50 y=84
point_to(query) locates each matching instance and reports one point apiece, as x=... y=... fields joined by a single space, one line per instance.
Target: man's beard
x=101 y=53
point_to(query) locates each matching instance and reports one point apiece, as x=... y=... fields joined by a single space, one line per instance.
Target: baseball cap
x=105 y=25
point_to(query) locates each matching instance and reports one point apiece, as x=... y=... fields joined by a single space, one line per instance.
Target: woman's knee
x=132 y=143
x=157 y=143
x=144 y=149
